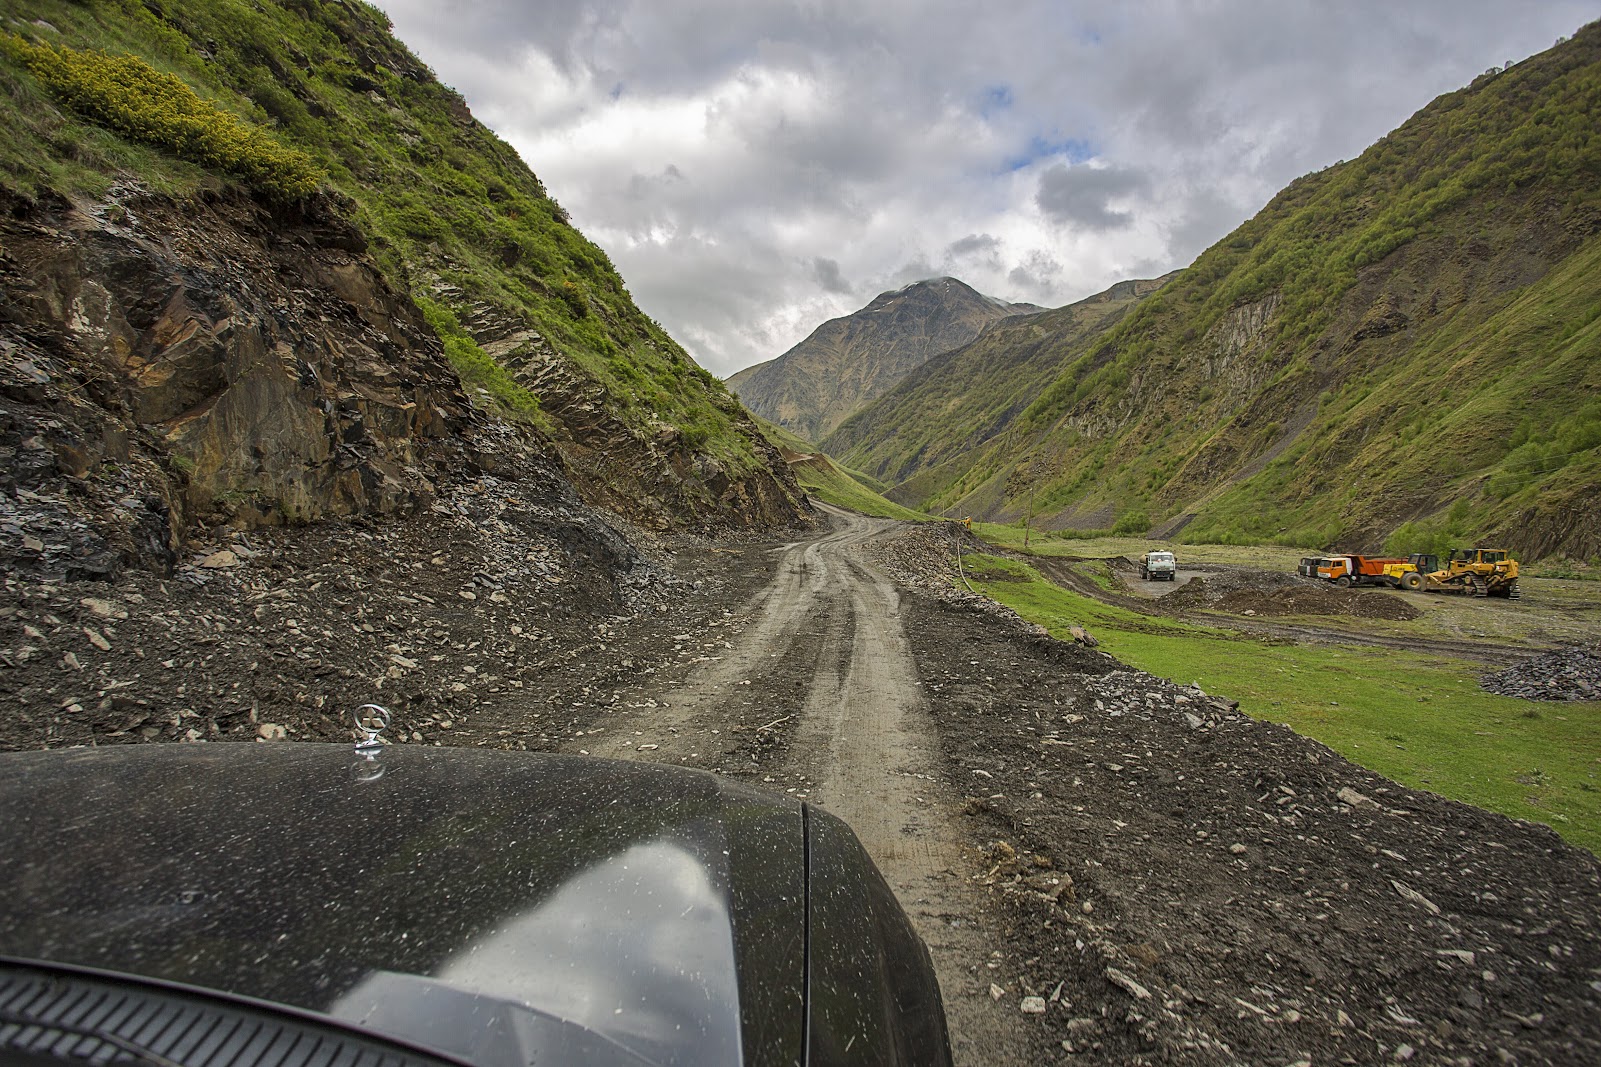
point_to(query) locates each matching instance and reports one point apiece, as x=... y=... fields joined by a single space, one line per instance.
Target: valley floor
x=1107 y=867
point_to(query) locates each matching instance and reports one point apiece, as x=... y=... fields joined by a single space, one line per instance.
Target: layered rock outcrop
x=167 y=364
x=652 y=475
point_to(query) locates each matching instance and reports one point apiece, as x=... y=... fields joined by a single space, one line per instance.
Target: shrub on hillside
x=129 y=96
x=1131 y=522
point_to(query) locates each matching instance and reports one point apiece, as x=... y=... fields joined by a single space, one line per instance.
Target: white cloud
x=755 y=168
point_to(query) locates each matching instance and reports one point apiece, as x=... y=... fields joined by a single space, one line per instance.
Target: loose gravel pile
x=1572 y=673
x=500 y=617
x=1184 y=884
x=925 y=558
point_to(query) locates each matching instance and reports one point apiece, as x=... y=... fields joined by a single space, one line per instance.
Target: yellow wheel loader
x=1410 y=575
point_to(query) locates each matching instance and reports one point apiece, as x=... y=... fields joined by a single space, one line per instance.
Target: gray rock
x=1350 y=796
x=1127 y=984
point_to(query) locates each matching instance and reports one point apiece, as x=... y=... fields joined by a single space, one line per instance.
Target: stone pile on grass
x=1257 y=592
x=1571 y=673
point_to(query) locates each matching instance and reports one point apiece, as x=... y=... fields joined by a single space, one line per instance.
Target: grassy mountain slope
x=855 y=358
x=1401 y=347
x=943 y=413
x=533 y=316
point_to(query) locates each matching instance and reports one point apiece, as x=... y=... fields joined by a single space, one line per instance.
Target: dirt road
x=1153 y=590
x=1114 y=869
x=1108 y=868
x=825 y=646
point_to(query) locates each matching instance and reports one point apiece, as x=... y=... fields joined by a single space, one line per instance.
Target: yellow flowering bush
x=128 y=95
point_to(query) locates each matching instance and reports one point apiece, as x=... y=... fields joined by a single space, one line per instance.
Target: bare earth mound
x=1269 y=593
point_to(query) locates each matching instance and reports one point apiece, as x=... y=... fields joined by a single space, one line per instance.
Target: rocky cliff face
x=165 y=365
x=854 y=359
x=225 y=365
x=656 y=478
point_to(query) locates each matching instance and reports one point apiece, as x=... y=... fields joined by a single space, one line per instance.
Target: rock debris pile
x=1572 y=673
x=1268 y=593
x=924 y=558
x=484 y=621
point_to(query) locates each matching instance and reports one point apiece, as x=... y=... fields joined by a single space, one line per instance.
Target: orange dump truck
x=1348 y=570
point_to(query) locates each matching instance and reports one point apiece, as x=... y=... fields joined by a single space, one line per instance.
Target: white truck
x=1159 y=566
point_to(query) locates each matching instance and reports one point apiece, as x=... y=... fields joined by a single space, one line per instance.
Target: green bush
x=1070 y=534
x=1438 y=535
x=1131 y=522
x=132 y=98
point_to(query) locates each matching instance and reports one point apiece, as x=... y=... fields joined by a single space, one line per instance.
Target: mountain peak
x=944 y=285
x=856 y=358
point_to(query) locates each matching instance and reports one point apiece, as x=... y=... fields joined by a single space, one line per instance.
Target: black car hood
x=472 y=902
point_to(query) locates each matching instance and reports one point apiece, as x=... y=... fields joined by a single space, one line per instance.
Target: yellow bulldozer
x=1474 y=571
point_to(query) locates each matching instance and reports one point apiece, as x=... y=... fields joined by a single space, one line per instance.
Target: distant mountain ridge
x=851 y=360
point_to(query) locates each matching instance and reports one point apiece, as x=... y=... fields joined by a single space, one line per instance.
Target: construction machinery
x=1349 y=570
x=1410 y=573
x=1476 y=572
x=1157 y=566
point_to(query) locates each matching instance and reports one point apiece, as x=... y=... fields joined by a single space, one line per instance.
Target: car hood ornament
x=371 y=720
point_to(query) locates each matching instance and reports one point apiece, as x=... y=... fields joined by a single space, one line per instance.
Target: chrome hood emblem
x=371 y=720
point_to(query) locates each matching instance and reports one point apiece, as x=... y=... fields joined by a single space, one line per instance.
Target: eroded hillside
x=264 y=262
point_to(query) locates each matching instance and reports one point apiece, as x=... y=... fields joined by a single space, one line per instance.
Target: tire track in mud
x=862 y=736
x=792 y=625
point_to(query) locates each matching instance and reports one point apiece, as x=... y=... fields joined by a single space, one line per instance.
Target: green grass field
x=1051 y=543
x=1420 y=719
x=1560 y=605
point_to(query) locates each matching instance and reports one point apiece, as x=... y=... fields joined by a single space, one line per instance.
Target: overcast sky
x=755 y=168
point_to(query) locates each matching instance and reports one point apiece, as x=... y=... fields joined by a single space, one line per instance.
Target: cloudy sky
x=754 y=168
